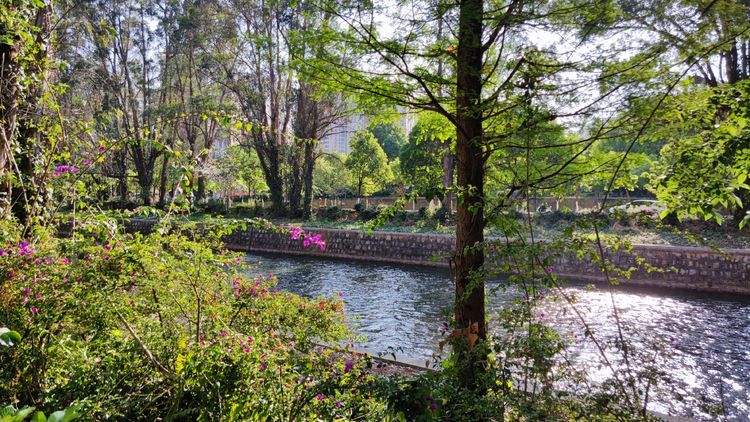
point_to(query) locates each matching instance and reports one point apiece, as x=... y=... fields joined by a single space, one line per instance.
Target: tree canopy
x=390 y=137
x=367 y=163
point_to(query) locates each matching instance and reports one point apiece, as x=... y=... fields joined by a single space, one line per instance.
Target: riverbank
x=689 y=268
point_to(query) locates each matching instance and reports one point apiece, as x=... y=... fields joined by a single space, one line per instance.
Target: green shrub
x=133 y=327
x=333 y=213
x=213 y=206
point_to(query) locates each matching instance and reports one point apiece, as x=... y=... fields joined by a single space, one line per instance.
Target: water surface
x=701 y=340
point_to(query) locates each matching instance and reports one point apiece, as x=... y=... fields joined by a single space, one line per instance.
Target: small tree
x=367 y=162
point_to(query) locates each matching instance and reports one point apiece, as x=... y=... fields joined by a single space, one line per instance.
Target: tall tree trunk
x=145 y=184
x=163 y=181
x=308 y=179
x=469 y=258
x=122 y=176
x=26 y=202
x=9 y=69
x=276 y=186
x=201 y=191
x=295 y=186
x=448 y=164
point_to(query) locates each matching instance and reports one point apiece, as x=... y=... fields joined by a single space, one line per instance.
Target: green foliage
x=390 y=137
x=238 y=169
x=167 y=325
x=331 y=177
x=330 y=213
x=367 y=163
x=11 y=414
x=704 y=165
x=421 y=158
x=9 y=338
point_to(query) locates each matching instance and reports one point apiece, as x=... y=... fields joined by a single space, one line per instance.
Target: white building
x=338 y=139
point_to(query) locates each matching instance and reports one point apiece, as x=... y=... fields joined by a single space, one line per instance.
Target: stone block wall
x=691 y=268
x=403 y=248
x=688 y=268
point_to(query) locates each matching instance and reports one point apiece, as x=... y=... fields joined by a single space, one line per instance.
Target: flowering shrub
x=168 y=325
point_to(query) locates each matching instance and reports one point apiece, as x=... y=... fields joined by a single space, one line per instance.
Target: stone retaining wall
x=699 y=269
x=689 y=268
x=402 y=248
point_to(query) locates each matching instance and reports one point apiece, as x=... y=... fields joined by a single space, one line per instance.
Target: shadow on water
x=702 y=339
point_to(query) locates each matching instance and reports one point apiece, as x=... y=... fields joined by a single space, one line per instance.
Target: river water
x=702 y=341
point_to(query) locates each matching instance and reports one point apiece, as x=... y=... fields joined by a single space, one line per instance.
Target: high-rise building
x=338 y=139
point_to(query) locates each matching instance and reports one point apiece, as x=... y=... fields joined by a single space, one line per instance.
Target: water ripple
x=701 y=340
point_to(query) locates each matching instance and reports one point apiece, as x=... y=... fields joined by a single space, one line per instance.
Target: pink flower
x=86 y=161
x=348 y=366
x=339 y=404
x=34 y=310
x=101 y=149
x=319 y=397
x=341 y=294
x=262 y=366
x=433 y=406
x=25 y=250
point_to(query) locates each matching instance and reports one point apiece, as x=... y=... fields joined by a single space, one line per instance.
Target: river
x=701 y=340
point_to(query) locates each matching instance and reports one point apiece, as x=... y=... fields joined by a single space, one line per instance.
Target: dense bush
x=168 y=325
x=333 y=213
x=213 y=206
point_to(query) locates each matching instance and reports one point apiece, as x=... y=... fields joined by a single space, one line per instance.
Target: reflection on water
x=701 y=340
